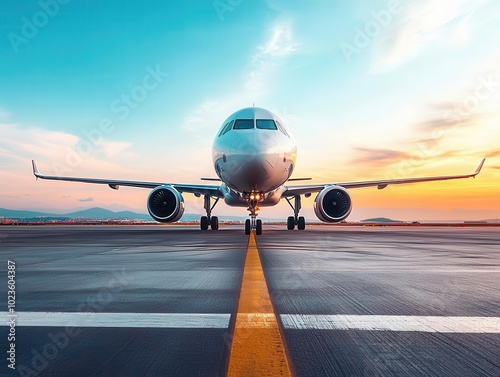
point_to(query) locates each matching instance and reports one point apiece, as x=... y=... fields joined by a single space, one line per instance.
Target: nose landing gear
x=253 y=222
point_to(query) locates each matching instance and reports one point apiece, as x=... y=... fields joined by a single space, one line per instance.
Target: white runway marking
x=435 y=324
x=392 y=323
x=152 y=320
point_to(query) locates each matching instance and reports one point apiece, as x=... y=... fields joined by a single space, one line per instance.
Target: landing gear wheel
x=258 y=227
x=209 y=220
x=301 y=223
x=295 y=219
x=204 y=223
x=247 y=227
x=214 y=223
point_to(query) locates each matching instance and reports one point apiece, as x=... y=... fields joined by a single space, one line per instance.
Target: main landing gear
x=209 y=220
x=295 y=220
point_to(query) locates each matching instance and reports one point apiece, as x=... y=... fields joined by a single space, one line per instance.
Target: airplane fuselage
x=253 y=153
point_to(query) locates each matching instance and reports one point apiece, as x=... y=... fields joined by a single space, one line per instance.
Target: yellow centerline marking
x=257 y=347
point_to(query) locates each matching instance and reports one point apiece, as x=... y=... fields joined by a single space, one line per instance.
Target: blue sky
x=371 y=89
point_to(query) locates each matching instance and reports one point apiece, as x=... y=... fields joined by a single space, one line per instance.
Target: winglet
x=35 y=169
x=478 y=170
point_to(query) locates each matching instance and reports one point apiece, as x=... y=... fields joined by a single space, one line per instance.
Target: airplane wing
x=116 y=183
x=308 y=189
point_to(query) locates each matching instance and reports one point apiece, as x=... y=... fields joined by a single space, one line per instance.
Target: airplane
x=254 y=156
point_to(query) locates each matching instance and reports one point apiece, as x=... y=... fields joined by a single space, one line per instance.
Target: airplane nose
x=244 y=144
x=255 y=146
x=252 y=161
x=255 y=155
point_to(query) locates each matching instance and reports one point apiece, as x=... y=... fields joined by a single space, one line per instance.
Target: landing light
x=255 y=196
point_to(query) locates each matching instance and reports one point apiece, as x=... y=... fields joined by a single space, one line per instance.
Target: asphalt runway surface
x=162 y=300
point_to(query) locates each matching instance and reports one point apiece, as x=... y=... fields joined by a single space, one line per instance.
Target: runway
x=163 y=300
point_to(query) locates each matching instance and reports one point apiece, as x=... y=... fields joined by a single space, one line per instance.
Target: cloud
x=375 y=156
x=198 y=117
x=280 y=43
x=20 y=144
x=267 y=59
x=84 y=200
x=446 y=122
x=493 y=154
x=112 y=148
x=449 y=120
x=270 y=56
x=4 y=113
x=423 y=24
x=457 y=126
x=434 y=140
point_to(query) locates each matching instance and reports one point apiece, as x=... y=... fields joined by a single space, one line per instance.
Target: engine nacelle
x=332 y=204
x=165 y=204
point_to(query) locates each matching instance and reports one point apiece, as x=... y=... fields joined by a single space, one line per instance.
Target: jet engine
x=165 y=204
x=332 y=204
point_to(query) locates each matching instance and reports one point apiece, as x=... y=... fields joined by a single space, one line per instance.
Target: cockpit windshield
x=243 y=124
x=266 y=124
x=226 y=128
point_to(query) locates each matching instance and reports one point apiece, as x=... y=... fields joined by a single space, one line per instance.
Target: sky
x=137 y=90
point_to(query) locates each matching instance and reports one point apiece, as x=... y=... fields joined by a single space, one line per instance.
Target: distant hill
x=380 y=220
x=91 y=213
x=493 y=221
x=21 y=214
x=97 y=213
x=101 y=213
